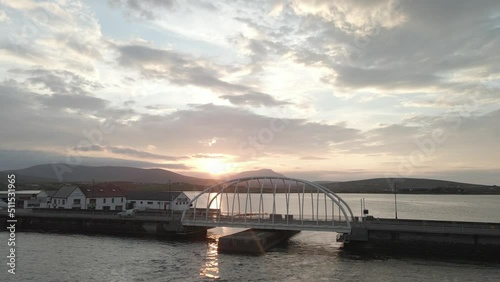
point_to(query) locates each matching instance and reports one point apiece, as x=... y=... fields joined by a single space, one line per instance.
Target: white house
x=68 y=197
x=106 y=196
x=157 y=200
x=44 y=198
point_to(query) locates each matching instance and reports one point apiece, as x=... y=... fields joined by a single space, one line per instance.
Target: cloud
x=58 y=81
x=356 y=17
x=19 y=159
x=238 y=132
x=208 y=156
x=90 y=148
x=387 y=46
x=235 y=127
x=183 y=70
x=312 y=158
x=147 y=9
x=74 y=102
x=130 y=152
x=419 y=145
x=254 y=99
x=3 y=16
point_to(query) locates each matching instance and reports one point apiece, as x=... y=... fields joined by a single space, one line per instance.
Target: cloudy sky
x=320 y=89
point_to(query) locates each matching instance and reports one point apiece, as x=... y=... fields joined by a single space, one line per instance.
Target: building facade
x=68 y=197
x=151 y=200
x=106 y=196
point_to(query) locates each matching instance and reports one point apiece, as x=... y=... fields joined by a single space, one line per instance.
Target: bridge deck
x=271 y=223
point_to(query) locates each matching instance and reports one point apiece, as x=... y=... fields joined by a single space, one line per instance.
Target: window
x=104 y=200
x=150 y=203
x=112 y=200
x=76 y=201
x=63 y=202
x=122 y=200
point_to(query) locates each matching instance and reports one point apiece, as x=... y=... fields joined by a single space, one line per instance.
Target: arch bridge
x=277 y=203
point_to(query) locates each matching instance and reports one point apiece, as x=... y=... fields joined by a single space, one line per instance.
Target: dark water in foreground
x=310 y=256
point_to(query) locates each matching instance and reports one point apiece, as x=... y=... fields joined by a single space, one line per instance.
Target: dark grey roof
x=50 y=193
x=64 y=192
x=152 y=195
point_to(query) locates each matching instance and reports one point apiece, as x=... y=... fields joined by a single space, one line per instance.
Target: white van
x=127 y=213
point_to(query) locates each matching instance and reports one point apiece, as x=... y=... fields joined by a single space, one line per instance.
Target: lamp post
x=395 y=200
x=170 y=195
x=93 y=195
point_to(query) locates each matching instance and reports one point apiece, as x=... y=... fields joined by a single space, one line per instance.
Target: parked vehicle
x=127 y=213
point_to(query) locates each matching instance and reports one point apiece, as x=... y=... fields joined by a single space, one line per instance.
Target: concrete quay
x=472 y=238
x=160 y=224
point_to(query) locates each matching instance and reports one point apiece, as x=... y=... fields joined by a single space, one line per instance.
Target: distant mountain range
x=47 y=173
x=254 y=173
x=409 y=185
x=41 y=174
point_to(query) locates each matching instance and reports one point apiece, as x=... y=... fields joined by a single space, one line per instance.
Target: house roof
x=104 y=190
x=50 y=193
x=22 y=192
x=153 y=195
x=64 y=192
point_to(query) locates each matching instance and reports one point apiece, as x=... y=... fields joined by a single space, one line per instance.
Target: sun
x=213 y=166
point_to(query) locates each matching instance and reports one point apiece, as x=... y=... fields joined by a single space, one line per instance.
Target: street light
x=395 y=200
x=170 y=195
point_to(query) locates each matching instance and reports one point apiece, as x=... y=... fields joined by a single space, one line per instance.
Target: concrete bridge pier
x=254 y=241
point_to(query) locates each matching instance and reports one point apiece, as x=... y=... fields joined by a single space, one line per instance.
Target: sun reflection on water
x=211 y=267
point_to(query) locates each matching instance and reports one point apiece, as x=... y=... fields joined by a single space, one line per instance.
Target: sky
x=318 y=90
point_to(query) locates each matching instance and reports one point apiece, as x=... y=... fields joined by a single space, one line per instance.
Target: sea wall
x=115 y=226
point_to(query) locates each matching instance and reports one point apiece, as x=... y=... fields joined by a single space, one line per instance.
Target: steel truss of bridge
x=277 y=203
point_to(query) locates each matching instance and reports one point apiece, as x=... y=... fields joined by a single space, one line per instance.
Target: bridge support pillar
x=255 y=241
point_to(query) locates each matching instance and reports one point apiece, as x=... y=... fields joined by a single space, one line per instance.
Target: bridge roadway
x=272 y=222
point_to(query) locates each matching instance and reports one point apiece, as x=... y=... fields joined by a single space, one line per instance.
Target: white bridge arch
x=278 y=203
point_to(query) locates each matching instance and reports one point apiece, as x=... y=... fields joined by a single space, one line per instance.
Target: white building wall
x=149 y=204
x=69 y=203
x=79 y=197
x=181 y=202
x=114 y=203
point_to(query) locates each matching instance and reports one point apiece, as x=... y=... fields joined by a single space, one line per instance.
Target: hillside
x=157 y=179
x=410 y=185
x=106 y=174
x=25 y=179
x=254 y=173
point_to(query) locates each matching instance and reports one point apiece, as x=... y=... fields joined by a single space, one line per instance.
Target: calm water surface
x=310 y=256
